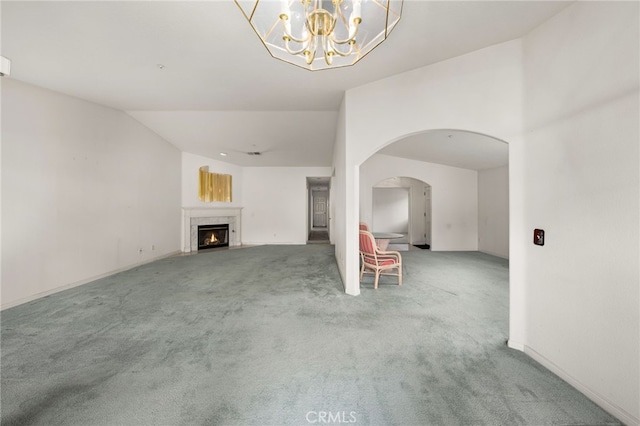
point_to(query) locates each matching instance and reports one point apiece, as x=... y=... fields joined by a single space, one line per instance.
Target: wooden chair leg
x=400 y=275
x=375 y=283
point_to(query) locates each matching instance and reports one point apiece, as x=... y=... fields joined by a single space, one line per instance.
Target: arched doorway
x=468 y=177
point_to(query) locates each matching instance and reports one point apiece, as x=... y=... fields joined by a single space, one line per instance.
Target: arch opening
x=453 y=147
x=467 y=174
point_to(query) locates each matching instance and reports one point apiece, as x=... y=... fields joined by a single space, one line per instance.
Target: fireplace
x=200 y=216
x=213 y=236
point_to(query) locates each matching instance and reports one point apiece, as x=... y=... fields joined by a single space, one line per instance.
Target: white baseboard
x=622 y=415
x=81 y=282
x=515 y=345
x=494 y=254
x=274 y=243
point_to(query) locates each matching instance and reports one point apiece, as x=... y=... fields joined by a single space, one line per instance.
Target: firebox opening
x=213 y=236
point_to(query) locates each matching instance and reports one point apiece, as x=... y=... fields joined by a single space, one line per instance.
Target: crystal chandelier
x=321 y=34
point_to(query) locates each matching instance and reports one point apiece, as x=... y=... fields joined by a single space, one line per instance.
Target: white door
x=418 y=214
x=427 y=214
x=320 y=209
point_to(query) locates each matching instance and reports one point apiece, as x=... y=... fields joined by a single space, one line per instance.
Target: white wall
x=493 y=211
x=390 y=210
x=1 y=175
x=454 y=191
x=275 y=201
x=191 y=164
x=581 y=186
x=343 y=212
x=84 y=189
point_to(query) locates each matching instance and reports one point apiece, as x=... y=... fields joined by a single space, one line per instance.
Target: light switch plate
x=538 y=237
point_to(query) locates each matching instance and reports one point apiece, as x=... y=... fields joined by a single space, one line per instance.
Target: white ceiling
x=220 y=91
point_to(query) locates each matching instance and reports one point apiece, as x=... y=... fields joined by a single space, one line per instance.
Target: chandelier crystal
x=321 y=34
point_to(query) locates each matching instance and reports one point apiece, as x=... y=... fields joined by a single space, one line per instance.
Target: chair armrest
x=390 y=255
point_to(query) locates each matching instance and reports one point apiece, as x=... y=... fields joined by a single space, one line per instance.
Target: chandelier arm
x=287 y=33
x=329 y=50
x=339 y=52
x=328 y=58
x=327 y=47
x=310 y=52
x=297 y=40
x=291 y=51
x=357 y=22
x=308 y=57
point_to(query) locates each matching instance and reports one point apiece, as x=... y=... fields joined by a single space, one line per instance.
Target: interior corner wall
x=454 y=202
x=275 y=204
x=86 y=191
x=1 y=80
x=493 y=211
x=342 y=215
x=581 y=186
x=191 y=164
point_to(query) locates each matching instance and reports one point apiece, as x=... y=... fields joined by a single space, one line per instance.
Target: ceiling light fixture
x=321 y=34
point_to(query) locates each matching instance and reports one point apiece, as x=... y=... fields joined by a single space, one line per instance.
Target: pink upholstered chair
x=375 y=261
x=364 y=227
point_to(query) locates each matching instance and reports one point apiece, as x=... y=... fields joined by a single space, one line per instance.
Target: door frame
x=318 y=184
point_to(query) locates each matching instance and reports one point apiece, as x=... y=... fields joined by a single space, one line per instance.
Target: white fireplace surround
x=195 y=216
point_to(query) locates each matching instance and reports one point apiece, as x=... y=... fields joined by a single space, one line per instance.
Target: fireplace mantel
x=194 y=216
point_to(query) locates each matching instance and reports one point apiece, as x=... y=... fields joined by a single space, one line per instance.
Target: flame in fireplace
x=211 y=239
x=213 y=236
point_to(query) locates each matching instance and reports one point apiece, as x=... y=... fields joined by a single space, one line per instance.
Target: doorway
x=403 y=205
x=318 y=218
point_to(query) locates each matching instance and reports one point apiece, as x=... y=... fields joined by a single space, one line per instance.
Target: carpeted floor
x=266 y=336
x=317 y=236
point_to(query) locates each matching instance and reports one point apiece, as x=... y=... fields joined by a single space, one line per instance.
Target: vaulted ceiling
x=195 y=72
